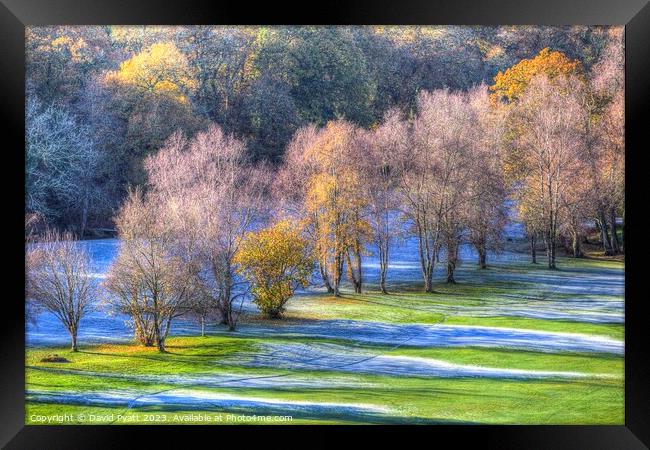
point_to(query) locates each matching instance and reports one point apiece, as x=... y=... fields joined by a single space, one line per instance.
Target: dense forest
x=101 y=99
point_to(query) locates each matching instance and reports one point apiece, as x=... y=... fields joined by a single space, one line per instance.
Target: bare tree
x=148 y=280
x=380 y=171
x=60 y=160
x=417 y=167
x=551 y=117
x=212 y=195
x=58 y=279
x=436 y=180
x=486 y=189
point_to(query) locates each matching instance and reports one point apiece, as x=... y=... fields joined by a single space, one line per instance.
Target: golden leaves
x=160 y=68
x=512 y=83
x=275 y=260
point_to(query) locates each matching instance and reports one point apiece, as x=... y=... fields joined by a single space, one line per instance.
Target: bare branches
x=58 y=279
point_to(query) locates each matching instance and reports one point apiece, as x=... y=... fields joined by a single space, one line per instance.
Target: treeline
x=101 y=99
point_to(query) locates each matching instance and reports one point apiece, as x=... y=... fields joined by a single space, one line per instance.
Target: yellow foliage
x=275 y=261
x=77 y=48
x=512 y=83
x=160 y=68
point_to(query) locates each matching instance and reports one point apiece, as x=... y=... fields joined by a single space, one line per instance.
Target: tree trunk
x=84 y=217
x=357 y=256
x=533 y=248
x=550 y=250
x=604 y=234
x=326 y=280
x=382 y=246
x=623 y=233
x=427 y=260
x=482 y=255
x=160 y=343
x=450 y=272
x=355 y=276
x=428 y=277
x=338 y=272
x=227 y=298
x=452 y=257
x=160 y=340
x=575 y=246
x=202 y=326
x=73 y=338
x=614 y=236
x=382 y=281
x=383 y=267
x=230 y=320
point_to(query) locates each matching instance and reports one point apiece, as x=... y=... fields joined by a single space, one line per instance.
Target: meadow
x=511 y=344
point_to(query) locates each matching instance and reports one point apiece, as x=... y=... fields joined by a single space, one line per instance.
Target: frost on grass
x=333 y=357
x=278 y=380
x=192 y=399
x=440 y=335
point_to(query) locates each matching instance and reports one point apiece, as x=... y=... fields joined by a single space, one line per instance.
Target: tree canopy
x=133 y=86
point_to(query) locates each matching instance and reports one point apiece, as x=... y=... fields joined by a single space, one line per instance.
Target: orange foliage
x=511 y=84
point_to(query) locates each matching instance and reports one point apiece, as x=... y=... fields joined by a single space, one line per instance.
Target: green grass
x=514 y=359
x=420 y=399
x=615 y=331
x=409 y=399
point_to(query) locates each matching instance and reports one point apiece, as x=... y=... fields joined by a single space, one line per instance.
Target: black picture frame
x=634 y=14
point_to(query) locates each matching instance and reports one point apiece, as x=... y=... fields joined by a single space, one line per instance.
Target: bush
x=276 y=261
x=54 y=359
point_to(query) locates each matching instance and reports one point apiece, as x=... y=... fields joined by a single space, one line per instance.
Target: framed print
x=406 y=216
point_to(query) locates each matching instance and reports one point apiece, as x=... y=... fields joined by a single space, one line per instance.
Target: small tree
x=58 y=279
x=380 y=171
x=276 y=261
x=148 y=280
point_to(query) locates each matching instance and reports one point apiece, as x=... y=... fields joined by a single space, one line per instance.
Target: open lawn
x=512 y=344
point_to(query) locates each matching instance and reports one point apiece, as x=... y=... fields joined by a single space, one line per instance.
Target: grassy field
x=268 y=368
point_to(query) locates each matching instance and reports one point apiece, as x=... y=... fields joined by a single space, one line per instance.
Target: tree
x=435 y=177
x=606 y=139
x=151 y=97
x=326 y=71
x=58 y=279
x=487 y=192
x=221 y=58
x=380 y=171
x=334 y=204
x=60 y=160
x=416 y=165
x=148 y=280
x=276 y=261
x=512 y=83
x=530 y=213
x=319 y=184
x=550 y=118
x=60 y=59
x=611 y=164
x=159 y=68
x=212 y=195
x=574 y=209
